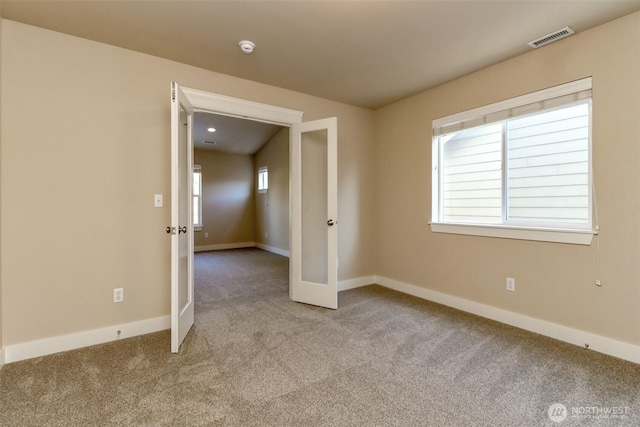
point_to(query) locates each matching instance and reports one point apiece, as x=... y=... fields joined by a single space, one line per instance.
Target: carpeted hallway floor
x=254 y=358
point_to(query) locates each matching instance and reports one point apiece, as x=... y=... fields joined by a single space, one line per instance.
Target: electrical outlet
x=511 y=284
x=118 y=295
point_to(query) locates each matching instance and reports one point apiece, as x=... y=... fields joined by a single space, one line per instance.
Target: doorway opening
x=240 y=205
x=231 y=154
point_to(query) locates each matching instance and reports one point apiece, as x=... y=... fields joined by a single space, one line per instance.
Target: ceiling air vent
x=550 y=38
x=204 y=141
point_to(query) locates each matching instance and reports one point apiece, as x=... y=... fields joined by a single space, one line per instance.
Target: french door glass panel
x=184 y=297
x=314 y=206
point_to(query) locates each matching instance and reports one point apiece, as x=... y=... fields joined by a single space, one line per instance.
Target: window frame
x=197 y=170
x=549 y=233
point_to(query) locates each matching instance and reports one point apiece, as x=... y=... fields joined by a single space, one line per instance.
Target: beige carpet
x=254 y=358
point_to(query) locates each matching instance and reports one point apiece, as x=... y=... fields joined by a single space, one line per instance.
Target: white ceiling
x=364 y=53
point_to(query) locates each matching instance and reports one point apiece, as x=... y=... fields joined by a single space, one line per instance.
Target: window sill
x=196 y=228
x=556 y=235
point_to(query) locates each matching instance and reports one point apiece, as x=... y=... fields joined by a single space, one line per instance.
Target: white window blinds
x=523 y=105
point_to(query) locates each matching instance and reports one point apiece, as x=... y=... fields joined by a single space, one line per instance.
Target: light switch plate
x=157 y=200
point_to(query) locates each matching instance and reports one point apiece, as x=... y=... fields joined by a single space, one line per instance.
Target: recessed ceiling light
x=211 y=129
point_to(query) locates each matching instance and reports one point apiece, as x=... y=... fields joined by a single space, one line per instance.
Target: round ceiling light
x=247 y=46
x=211 y=129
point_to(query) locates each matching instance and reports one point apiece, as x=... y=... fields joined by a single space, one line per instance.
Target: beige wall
x=228 y=198
x=272 y=207
x=554 y=282
x=90 y=123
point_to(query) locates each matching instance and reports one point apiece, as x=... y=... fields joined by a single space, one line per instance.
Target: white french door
x=181 y=229
x=314 y=222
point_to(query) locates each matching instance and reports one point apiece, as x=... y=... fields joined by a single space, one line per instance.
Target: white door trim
x=236 y=107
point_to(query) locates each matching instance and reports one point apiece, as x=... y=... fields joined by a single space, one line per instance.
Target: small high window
x=263 y=179
x=197 y=196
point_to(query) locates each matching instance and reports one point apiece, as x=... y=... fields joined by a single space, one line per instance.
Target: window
x=263 y=179
x=197 y=196
x=520 y=168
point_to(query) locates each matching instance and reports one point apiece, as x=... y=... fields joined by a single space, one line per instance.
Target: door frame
x=209 y=102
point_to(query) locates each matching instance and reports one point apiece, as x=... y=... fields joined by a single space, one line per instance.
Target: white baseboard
x=46 y=346
x=598 y=343
x=223 y=246
x=272 y=249
x=622 y=350
x=344 y=285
